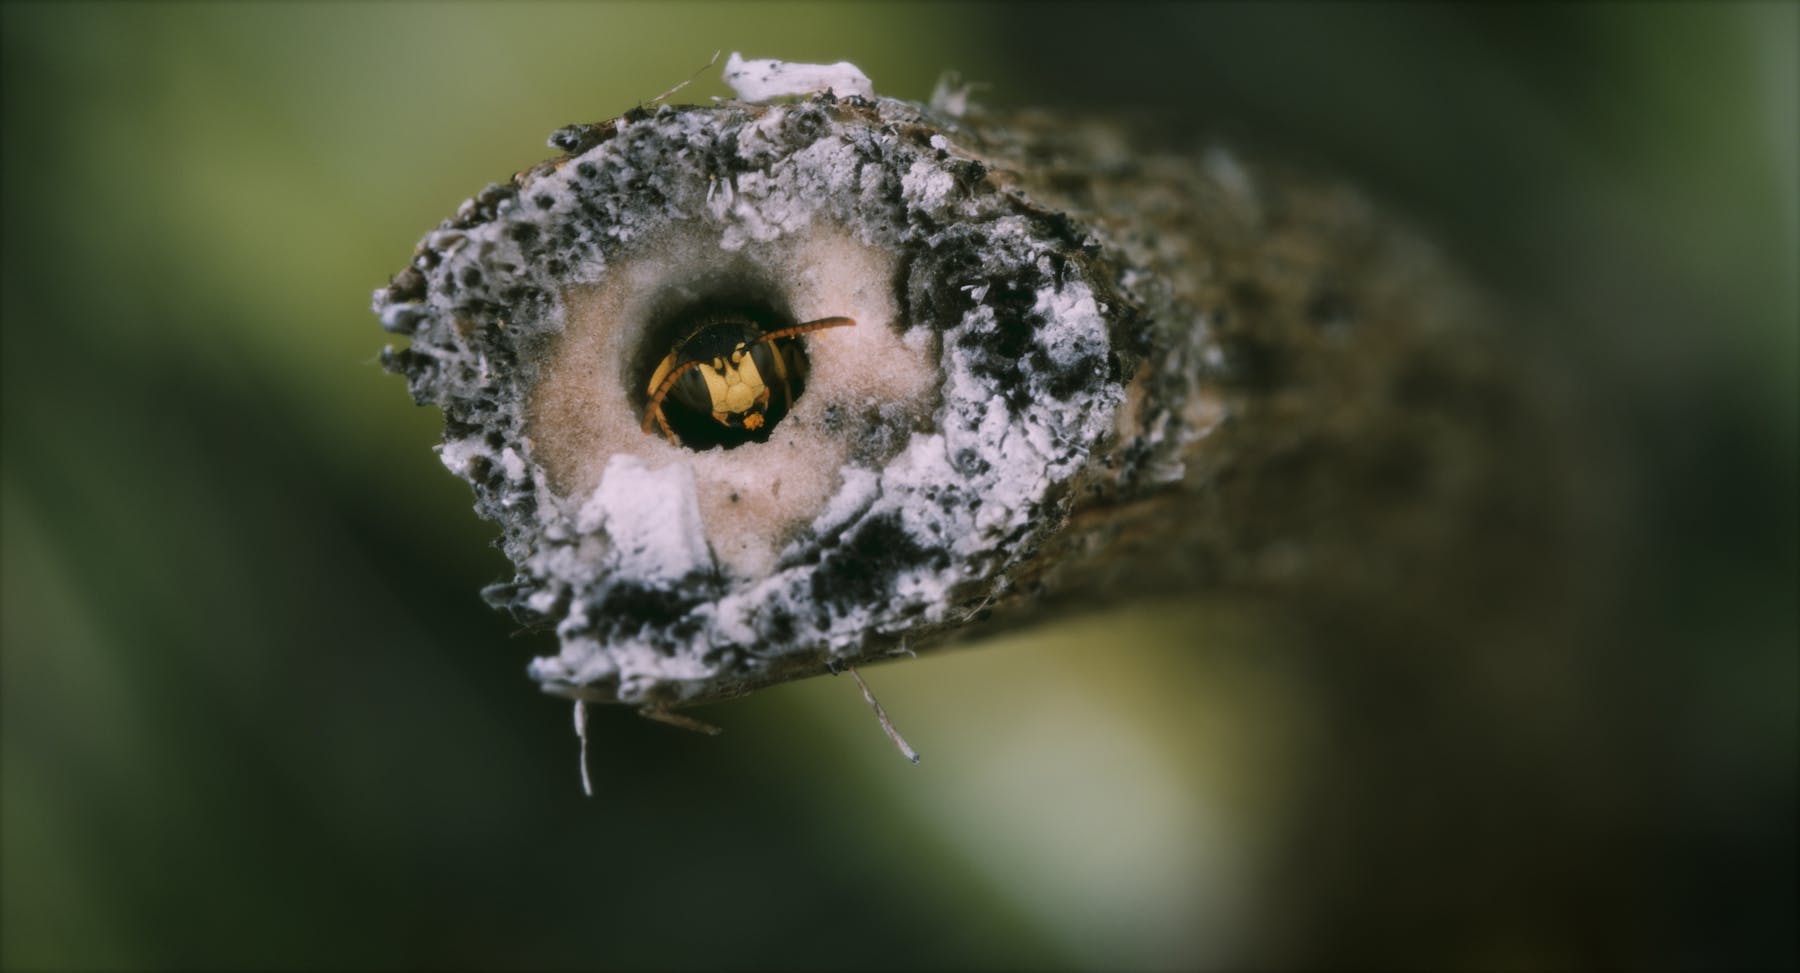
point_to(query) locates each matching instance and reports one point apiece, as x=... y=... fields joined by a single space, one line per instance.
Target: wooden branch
x=1081 y=370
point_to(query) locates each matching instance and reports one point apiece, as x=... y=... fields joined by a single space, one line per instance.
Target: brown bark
x=1156 y=370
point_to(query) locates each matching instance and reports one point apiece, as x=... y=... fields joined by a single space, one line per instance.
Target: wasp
x=727 y=368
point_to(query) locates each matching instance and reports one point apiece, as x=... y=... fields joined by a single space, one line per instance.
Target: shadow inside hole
x=732 y=293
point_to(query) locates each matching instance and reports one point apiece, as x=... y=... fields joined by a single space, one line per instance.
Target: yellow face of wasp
x=737 y=391
x=736 y=386
x=749 y=388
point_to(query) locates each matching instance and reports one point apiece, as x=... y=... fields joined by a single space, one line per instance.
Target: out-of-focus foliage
x=255 y=714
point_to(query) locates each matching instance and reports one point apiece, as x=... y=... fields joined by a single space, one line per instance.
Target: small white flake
x=925 y=185
x=860 y=489
x=513 y=464
x=951 y=95
x=765 y=79
x=459 y=454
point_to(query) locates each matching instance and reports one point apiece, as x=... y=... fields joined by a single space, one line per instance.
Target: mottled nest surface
x=1077 y=368
x=923 y=460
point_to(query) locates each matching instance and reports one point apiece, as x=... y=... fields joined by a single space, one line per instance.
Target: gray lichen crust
x=927 y=516
x=1075 y=368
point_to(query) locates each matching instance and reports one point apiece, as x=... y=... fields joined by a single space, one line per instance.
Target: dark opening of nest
x=735 y=298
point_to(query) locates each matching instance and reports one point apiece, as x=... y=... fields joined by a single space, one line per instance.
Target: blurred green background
x=255 y=714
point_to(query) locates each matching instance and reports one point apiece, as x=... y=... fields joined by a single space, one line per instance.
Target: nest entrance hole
x=735 y=294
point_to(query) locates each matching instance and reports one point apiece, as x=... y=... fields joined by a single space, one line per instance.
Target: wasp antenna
x=810 y=326
x=887 y=726
x=655 y=416
x=653 y=413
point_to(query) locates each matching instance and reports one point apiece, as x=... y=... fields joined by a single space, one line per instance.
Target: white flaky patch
x=651 y=518
x=765 y=79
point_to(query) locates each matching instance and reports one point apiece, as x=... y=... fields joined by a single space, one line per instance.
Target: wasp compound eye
x=756 y=391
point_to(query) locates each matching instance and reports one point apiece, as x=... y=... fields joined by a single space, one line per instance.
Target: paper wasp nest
x=1050 y=332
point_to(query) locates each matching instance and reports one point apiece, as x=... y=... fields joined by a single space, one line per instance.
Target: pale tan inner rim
x=754 y=498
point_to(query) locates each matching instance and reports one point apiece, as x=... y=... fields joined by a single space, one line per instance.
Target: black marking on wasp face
x=728 y=382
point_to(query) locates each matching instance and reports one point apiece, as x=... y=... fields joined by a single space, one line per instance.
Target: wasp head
x=731 y=374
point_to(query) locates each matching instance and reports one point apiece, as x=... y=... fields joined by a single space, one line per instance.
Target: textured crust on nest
x=928 y=503
x=1148 y=371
